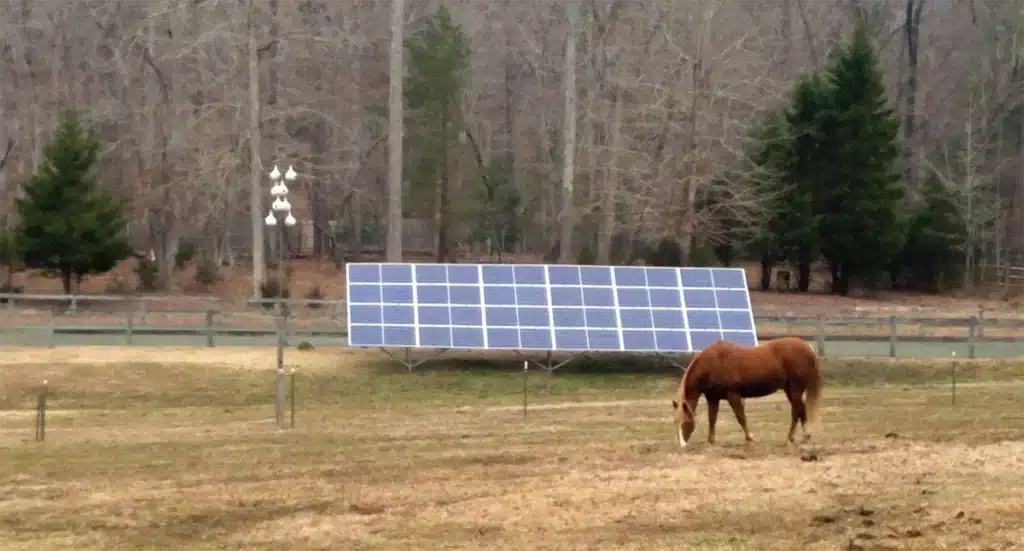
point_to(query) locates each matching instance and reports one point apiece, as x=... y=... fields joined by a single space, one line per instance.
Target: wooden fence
x=54 y=320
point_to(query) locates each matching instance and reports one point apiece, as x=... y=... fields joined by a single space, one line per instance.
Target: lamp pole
x=283 y=209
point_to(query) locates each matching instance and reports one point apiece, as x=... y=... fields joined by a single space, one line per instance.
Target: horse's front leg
x=736 y=402
x=712 y=418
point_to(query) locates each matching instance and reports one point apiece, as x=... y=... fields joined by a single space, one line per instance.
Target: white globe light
x=285 y=205
x=282 y=190
x=270 y=220
x=277 y=205
x=290 y=175
x=275 y=174
x=289 y=220
x=276 y=191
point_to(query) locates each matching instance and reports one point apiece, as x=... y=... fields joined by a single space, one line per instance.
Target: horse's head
x=684 y=418
x=685 y=403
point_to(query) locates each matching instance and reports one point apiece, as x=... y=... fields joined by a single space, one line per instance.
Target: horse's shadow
x=757 y=450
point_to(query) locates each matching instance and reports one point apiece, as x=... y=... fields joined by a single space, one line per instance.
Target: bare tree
x=566 y=219
x=396 y=74
x=255 y=168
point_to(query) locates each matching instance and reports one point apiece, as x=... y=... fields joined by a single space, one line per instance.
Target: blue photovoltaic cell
x=553 y=307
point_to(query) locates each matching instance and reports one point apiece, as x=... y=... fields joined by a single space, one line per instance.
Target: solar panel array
x=547 y=307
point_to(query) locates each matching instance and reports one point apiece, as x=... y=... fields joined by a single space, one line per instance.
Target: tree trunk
x=803 y=269
x=441 y=199
x=840 y=279
x=65 y=278
x=767 y=264
x=319 y=203
x=611 y=188
x=911 y=33
x=686 y=221
x=566 y=220
x=255 y=172
x=396 y=73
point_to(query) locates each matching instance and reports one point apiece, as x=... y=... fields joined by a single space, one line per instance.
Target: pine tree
x=438 y=60
x=66 y=222
x=932 y=253
x=768 y=150
x=861 y=224
x=803 y=165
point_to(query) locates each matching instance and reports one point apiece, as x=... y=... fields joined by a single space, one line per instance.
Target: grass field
x=174 y=449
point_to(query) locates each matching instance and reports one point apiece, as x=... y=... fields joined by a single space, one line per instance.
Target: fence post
x=209 y=328
x=981 y=318
x=52 y=336
x=291 y=423
x=285 y=328
x=129 y=328
x=41 y=412
x=892 y=336
x=972 y=336
x=821 y=335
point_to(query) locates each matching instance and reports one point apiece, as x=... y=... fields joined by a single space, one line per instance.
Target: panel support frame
x=547 y=365
x=407 y=361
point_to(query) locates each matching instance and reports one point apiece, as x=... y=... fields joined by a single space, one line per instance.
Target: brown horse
x=733 y=372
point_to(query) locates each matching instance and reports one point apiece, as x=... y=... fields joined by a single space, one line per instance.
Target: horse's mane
x=686 y=375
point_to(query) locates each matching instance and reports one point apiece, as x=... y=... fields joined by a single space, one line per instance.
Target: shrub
x=207 y=273
x=148 y=272
x=186 y=252
x=273 y=288
x=586 y=256
x=668 y=252
x=305 y=345
x=315 y=293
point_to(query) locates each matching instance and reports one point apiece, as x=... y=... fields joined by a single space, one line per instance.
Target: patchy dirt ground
x=167 y=450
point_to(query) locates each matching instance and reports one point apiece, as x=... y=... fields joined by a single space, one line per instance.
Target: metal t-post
x=279 y=394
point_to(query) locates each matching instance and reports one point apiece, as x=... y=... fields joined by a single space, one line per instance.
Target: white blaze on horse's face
x=684 y=421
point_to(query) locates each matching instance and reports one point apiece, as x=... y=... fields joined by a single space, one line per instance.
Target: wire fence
x=77 y=320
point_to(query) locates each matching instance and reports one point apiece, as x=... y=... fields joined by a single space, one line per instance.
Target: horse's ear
x=675 y=404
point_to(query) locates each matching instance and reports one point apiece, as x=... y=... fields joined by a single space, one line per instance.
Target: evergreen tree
x=438 y=60
x=803 y=167
x=932 y=253
x=860 y=221
x=66 y=222
x=769 y=148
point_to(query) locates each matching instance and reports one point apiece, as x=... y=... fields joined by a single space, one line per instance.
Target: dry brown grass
x=443 y=460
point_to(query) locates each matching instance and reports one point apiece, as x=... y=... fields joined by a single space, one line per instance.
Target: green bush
x=186 y=252
x=315 y=293
x=207 y=273
x=273 y=288
x=148 y=272
x=668 y=252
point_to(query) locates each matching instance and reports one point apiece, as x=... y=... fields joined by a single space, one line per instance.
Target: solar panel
x=547 y=307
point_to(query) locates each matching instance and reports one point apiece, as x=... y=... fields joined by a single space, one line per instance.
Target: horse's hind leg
x=736 y=403
x=799 y=412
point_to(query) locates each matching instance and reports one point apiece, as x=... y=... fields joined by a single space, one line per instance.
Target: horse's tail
x=814 y=389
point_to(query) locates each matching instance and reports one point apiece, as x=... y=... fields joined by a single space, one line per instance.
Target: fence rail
x=83 y=320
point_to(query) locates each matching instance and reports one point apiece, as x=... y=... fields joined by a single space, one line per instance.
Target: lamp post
x=280 y=208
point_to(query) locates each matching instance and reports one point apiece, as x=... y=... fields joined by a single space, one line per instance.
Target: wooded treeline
x=195 y=99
